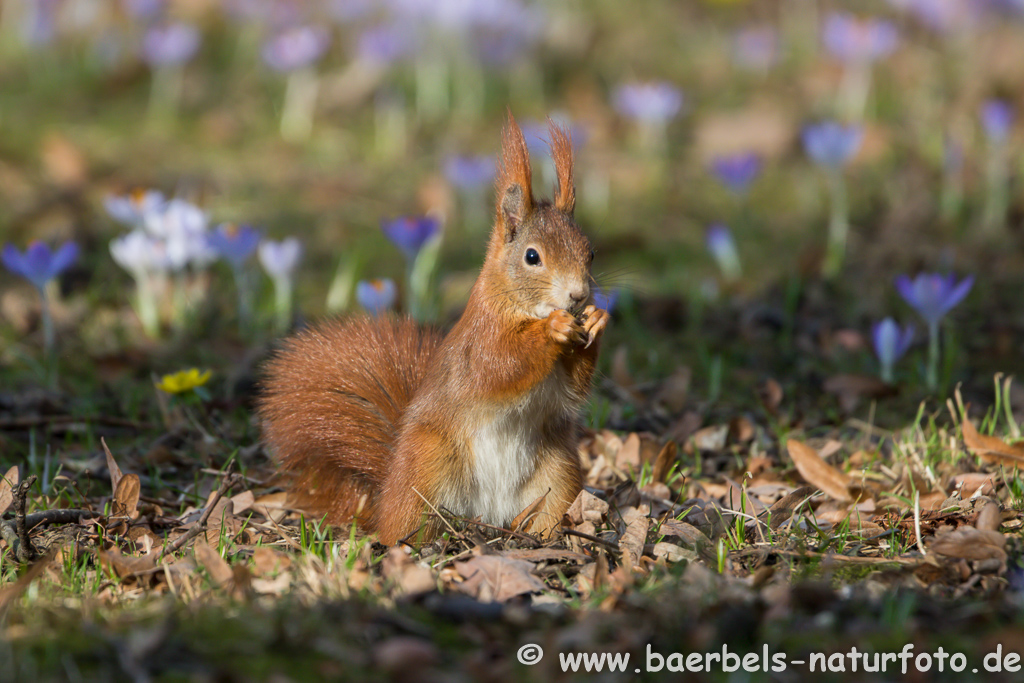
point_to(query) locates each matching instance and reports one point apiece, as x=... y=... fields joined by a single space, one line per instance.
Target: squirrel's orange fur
x=381 y=421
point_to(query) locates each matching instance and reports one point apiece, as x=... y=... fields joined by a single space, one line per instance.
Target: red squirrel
x=380 y=421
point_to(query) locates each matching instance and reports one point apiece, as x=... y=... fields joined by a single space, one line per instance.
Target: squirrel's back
x=333 y=397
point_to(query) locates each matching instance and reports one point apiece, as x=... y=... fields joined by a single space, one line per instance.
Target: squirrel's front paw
x=594 y=322
x=565 y=329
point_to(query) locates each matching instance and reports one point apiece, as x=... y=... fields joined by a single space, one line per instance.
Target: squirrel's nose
x=579 y=296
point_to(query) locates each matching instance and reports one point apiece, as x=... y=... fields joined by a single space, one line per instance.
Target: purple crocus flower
x=410 y=233
x=832 y=144
x=933 y=295
x=280 y=259
x=181 y=225
x=386 y=43
x=144 y=9
x=376 y=296
x=654 y=103
x=469 y=172
x=858 y=40
x=296 y=47
x=943 y=16
x=997 y=119
x=350 y=10
x=170 y=44
x=890 y=344
x=606 y=300
x=39 y=264
x=756 y=47
x=132 y=208
x=736 y=171
x=39 y=26
x=234 y=243
x=139 y=253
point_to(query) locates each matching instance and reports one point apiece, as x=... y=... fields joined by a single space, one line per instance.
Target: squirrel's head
x=537 y=252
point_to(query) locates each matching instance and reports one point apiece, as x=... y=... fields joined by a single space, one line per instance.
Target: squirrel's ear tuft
x=514 y=182
x=561 y=153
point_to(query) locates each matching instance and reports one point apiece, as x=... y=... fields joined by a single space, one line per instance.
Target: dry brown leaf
x=242 y=502
x=634 y=535
x=266 y=561
x=989 y=518
x=126 y=496
x=816 y=471
x=663 y=462
x=10 y=593
x=492 y=578
x=526 y=516
x=7 y=485
x=969 y=543
x=219 y=517
x=784 y=507
x=124 y=566
x=410 y=577
x=115 y=471
x=210 y=559
x=587 y=508
x=273 y=506
x=971 y=483
x=991 y=448
x=673 y=553
x=628 y=457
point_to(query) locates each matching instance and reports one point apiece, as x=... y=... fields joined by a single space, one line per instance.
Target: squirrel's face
x=543 y=258
x=548 y=264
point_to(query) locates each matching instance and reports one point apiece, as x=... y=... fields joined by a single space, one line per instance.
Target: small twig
x=227 y=484
x=44 y=420
x=437 y=512
x=524 y=537
x=593 y=539
x=25 y=552
x=218 y=473
x=917 y=522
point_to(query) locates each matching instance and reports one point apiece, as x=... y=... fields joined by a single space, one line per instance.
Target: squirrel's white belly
x=505 y=451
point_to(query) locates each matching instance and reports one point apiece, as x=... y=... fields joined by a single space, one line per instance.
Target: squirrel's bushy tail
x=332 y=400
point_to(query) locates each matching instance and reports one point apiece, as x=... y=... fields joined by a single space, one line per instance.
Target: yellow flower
x=182 y=381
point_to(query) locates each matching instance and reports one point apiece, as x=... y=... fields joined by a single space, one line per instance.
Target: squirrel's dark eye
x=532 y=257
x=591 y=255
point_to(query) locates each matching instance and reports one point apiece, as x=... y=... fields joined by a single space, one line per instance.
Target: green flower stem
x=855 y=88
x=283 y=303
x=299 y=105
x=887 y=375
x=932 y=368
x=49 y=338
x=179 y=308
x=952 y=198
x=997 y=196
x=145 y=305
x=421 y=272
x=390 y=126
x=244 y=299
x=165 y=93
x=339 y=295
x=432 y=98
x=838 y=224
